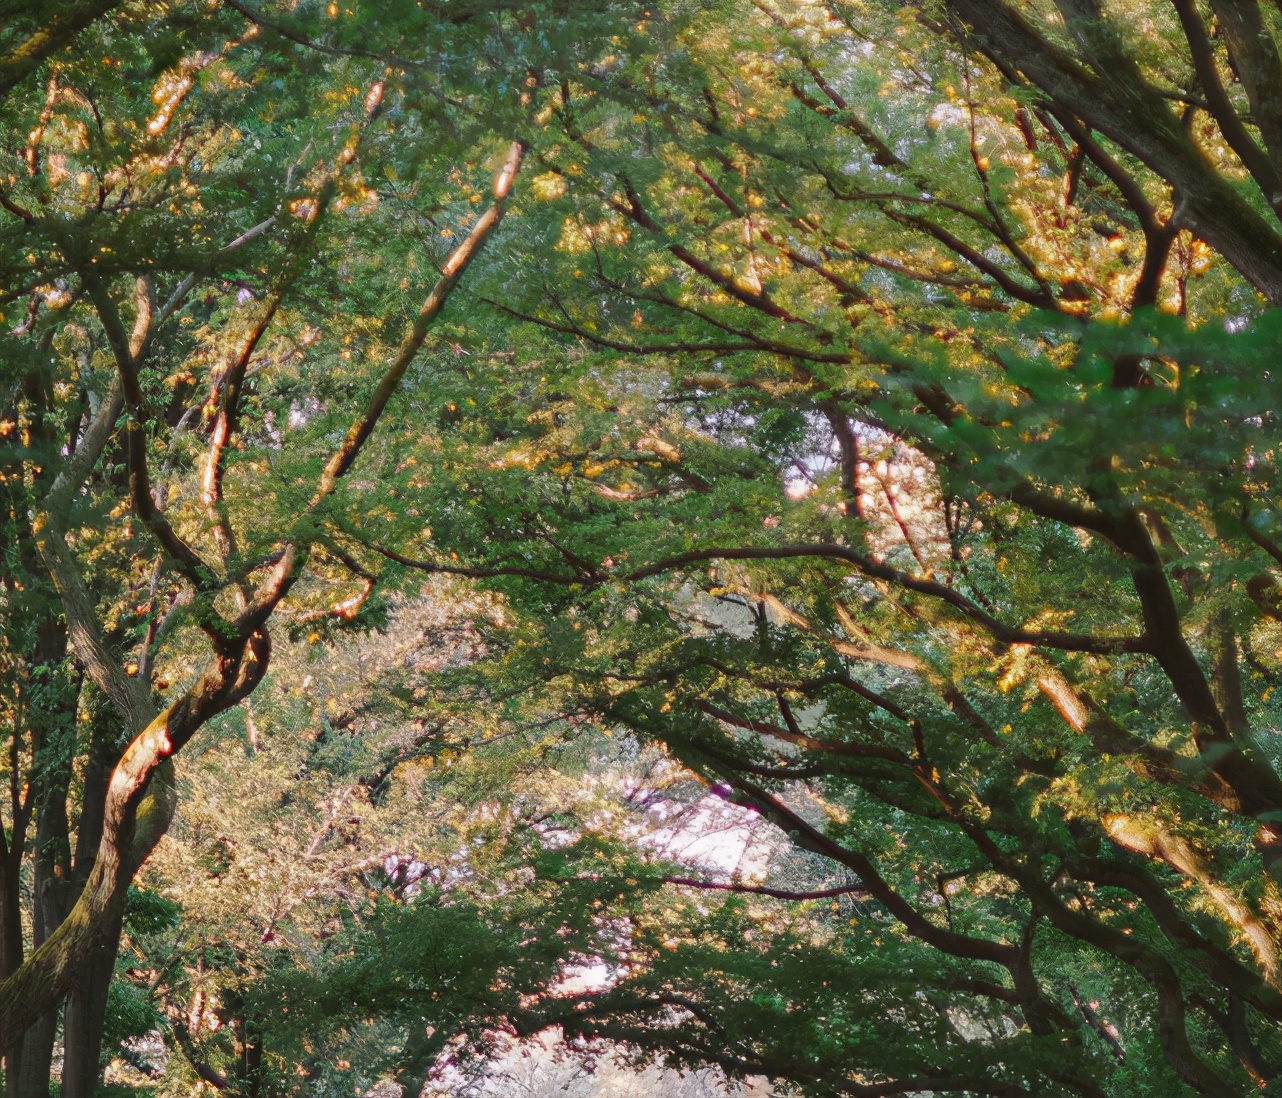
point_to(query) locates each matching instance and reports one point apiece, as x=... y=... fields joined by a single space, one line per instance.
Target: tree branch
x=775 y=893
x=457 y=263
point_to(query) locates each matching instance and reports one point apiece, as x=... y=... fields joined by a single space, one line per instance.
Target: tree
x=800 y=442
x=936 y=338
x=190 y=202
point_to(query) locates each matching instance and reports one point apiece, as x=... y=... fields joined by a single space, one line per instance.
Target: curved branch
x=126 y=349
x=809 y=838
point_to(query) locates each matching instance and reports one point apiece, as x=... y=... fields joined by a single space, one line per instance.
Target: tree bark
x=85 y=1015
x=35 y=1061
x=30 y=1069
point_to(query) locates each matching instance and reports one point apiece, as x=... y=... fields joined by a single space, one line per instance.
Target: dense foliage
x=864 y=413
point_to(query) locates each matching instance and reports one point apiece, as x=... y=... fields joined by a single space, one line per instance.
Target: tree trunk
x=13 y=946
x=29 y=1061
x=35 y=1061
x=84 y=1017
x=244 y=1027
x=85 y=1012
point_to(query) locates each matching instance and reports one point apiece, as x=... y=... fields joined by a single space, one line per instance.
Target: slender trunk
x=53 y=894
x=104 y=749
x=54 y=890
x=12 y=945
x=249 y=1049
x=29 y=1064
x=84 y=1017
x=29 y=1061
x=35 y=1061
x=57 y=883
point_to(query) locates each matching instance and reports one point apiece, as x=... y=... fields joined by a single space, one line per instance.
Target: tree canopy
x=441 y=440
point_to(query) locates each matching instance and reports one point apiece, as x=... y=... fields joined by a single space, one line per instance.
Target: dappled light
x=616 y=549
